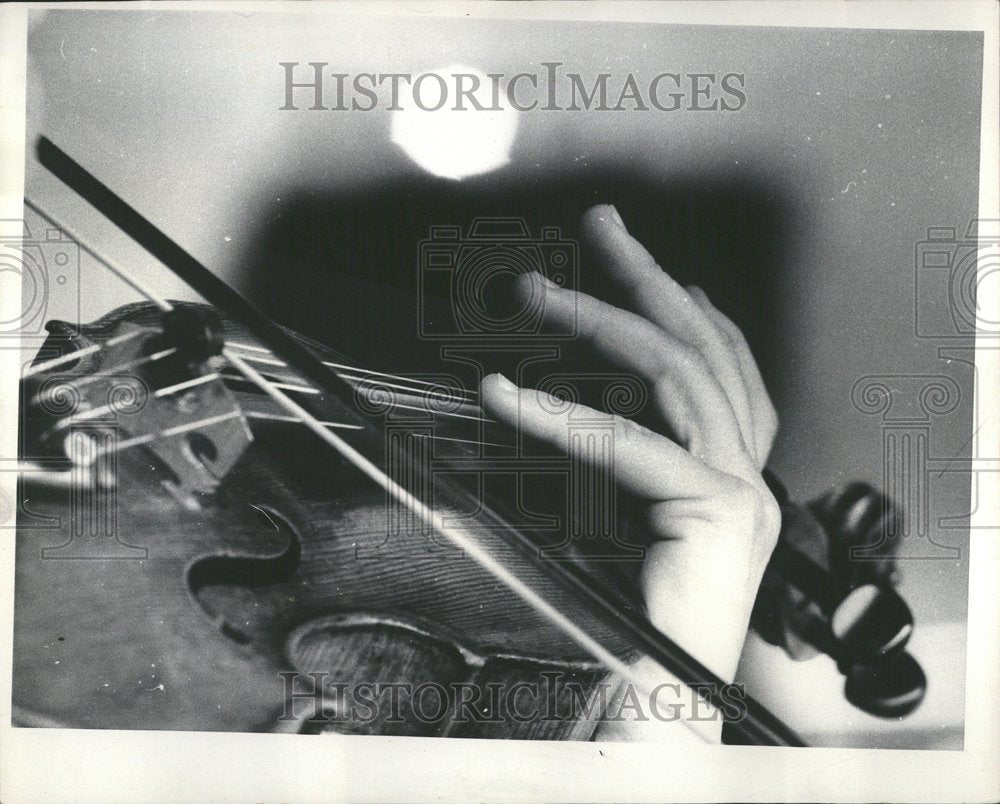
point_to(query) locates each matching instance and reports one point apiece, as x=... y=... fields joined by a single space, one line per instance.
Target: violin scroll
x=818 y=596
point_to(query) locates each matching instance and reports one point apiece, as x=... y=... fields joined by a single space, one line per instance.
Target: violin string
x=477 y=441
x=147 y=438
x=234 y=376
x=433 y=388
x=430 y=398
x=356 y=382
x=254 y=414
x=461 y=539
x=348 y=368
x=110 y=408
x=436 y=412
x=391 y=403
x=183 y=386
x=433 y=393
x=343 y=426
x=79 y=382
x=331 y=364
x=289 y=383
x=69 y=357
x=170 y=432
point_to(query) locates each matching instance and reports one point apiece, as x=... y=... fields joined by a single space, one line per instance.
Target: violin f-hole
x=215 y=581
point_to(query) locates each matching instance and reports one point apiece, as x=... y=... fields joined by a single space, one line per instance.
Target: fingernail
x=617 y=218
x=505 y=384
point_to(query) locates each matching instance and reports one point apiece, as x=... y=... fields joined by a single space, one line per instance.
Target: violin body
x=281 y=594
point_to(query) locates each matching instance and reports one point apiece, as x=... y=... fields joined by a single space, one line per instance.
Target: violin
x=228 y=526
x=239 y=551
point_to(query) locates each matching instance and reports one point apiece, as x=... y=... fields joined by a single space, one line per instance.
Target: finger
x=765 y=419
x=685 y=391
x=643 y=463
x=646 y=289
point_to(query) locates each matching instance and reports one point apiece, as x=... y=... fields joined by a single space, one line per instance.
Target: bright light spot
x=450 y=142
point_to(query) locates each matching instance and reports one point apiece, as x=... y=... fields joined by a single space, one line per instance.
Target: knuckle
x=772 y=419
x=686 y=382
x=755 y=510
x=732 y=340
x=626 y=430
x=708 y=342
x=622 y=427
x=770 y=520
x=692 y=359
x=732 y=332
x=767 y=420
x=673 y=403
x=663 y=385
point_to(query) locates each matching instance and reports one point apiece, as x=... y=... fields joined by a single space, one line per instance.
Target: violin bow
x=758 y=726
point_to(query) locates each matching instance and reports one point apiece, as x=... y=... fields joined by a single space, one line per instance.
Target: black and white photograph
x=535 y=400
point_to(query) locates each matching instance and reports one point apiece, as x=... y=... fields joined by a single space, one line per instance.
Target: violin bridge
x=132 y=392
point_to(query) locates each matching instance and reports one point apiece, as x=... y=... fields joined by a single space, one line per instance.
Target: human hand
x=696 y=473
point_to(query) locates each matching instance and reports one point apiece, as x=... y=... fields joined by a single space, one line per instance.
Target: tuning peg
x=891 y=688
x=866 y=634
x=867 y=622
x=871 y=622
x=882 y=679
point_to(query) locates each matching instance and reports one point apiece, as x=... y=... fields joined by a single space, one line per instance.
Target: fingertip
x=498 y=383
x=696 y=293
x=495 y=389
x=615 y=248
x=601 y=216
